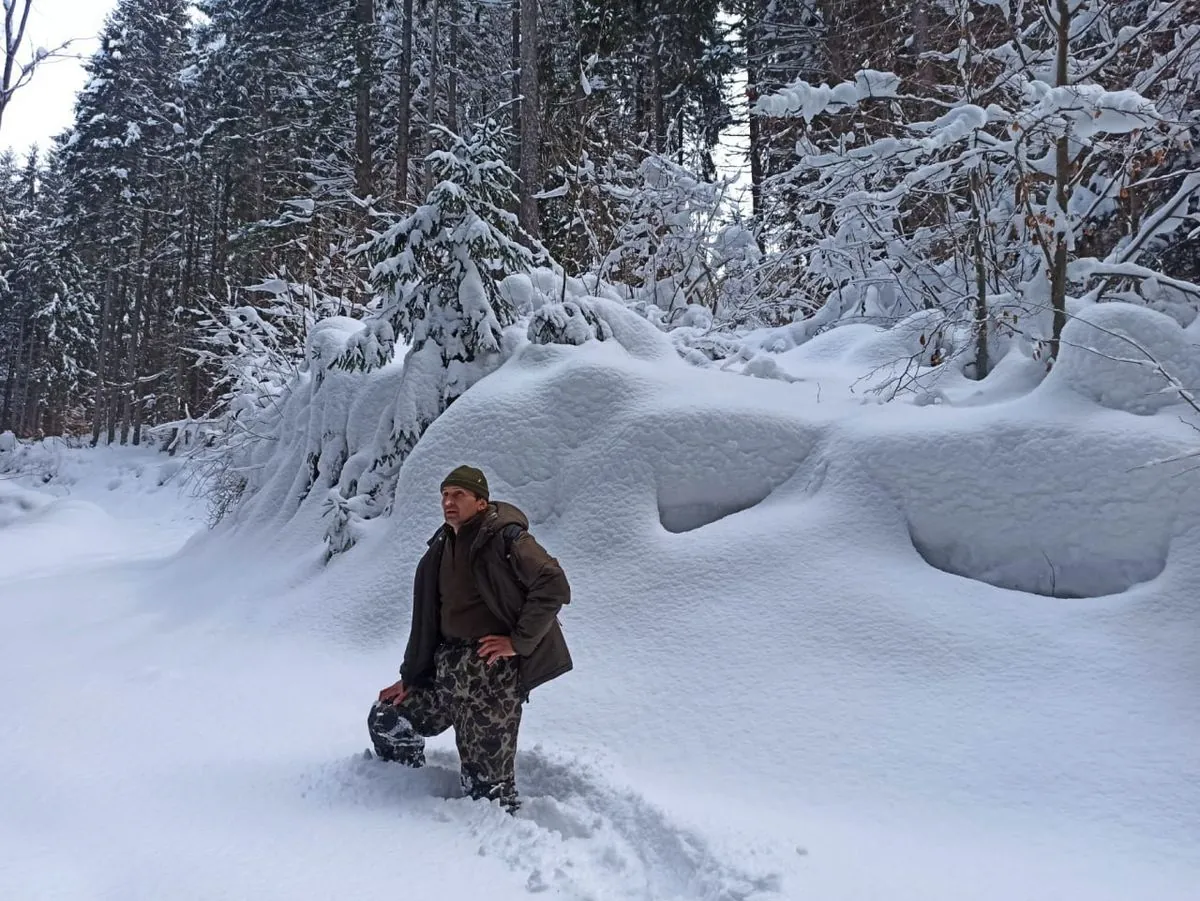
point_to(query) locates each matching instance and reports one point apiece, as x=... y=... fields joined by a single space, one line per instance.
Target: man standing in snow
x=484 y=634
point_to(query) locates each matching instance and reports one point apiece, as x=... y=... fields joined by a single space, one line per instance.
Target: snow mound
x=915 y=341
x=43 y=534
x=16 y=503
x=1065 y=509
x=584 y=319
x=835 y=345
x=623 y=436
x=871 y=359
x=328 y=338
x=1127 y=358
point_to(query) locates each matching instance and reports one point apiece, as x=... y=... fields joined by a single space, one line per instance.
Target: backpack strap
x=511 y=533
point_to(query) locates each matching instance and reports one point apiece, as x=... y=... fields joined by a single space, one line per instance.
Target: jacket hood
x=501 y=514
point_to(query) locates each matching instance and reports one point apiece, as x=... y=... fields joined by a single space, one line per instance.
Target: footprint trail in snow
x=576 y=836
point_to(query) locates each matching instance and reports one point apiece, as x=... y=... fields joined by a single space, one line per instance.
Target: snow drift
x=1043 y=494
x=882 y=603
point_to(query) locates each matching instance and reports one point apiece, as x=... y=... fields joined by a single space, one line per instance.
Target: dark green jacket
x=525 y=592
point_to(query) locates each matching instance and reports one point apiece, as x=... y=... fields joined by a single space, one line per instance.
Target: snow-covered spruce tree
x=437 y=280
x=278 y=89
x=123 y=207
x=15 y=214
x=46 y=310
x=60 y=305
x=983 y=211
x=623 y=80
x=438 y=268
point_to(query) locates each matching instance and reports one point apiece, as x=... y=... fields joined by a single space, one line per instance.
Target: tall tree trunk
x=100 y=401
x=920 y=45
x=56 y=402
x=1062 y=178
x=452 y=71
x=133 y=359
x=402 y=153
x=146 y=376
x=516 y=78
x=531 y=113
x=431 y=115
x=24 y=377
x=189 y=279
x=32 y=399
x=752 y=35
x=982 y=356
x=925 y=74
x=114 y=414
x=364 y=53
x=10 y=377
x=8 y=416
x=129 y=378
x=658 y=125
x=220 y=230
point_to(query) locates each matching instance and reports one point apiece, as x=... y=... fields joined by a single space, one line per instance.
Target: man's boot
x=504 y=791
x=394 y=737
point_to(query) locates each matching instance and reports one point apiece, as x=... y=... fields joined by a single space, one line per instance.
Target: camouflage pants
x=483 y=705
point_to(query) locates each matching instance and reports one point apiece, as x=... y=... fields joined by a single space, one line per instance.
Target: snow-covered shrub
x=1128 y=358
x=256 y=348
x=572 y=322
x=328 y=462
x=1034 y=189
x=670 y=221
x=679 y=254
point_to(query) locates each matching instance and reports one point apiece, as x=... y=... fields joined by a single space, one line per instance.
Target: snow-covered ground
x=825 y=649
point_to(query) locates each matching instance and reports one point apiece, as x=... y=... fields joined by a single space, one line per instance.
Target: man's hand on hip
x=493 y=647
x=394 y=694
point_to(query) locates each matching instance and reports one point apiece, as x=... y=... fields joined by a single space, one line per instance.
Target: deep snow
x=776 y=694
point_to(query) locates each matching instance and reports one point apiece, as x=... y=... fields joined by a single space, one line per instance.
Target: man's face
x=459 y=505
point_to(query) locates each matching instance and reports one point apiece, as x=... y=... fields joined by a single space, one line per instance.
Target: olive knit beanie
x=470 y=478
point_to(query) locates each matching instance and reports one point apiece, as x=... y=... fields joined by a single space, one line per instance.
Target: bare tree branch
x=15 y=75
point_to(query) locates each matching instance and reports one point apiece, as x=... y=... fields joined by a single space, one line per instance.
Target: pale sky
x=45 y=106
